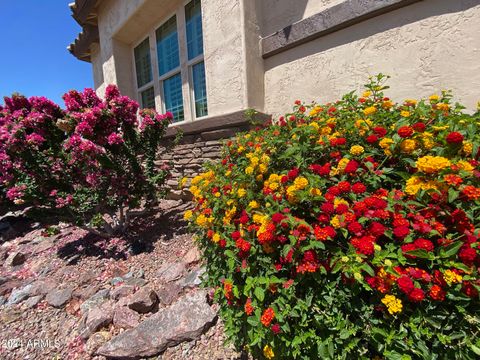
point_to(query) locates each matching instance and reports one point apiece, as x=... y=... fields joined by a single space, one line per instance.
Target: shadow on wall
x=277 y=14
x=395 y=19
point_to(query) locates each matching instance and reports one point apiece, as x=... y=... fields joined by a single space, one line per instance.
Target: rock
x=125 y=318
x=94 y=301
x=97 y=340
x=42 y=246
x=42 y=287
x=4 y=225
x=33 y=301
x=135 y=282
x=3 y=280
x=9 y=286
x=59 y=297
x=122 y=291
x=192 y=256
x=96 y=319
x=135 y=273
x=171 y=271
x=18 y=295
x=185 y=320
x=2 y=300
x=193 y=279
x=16 y=258
x=143 y=301
x=85 y=292
x=168 y=293
x=116 y=280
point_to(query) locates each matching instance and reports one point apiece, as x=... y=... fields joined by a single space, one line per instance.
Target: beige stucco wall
x=229 y=50
x=425 y=47
x=277 y=14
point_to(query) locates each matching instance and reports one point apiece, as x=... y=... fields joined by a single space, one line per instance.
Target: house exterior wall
x=424 y=47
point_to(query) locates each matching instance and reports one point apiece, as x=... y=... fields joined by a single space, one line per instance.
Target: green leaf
x=421 y=253
x=259 y=293
x=475 y=349
x=451 y=249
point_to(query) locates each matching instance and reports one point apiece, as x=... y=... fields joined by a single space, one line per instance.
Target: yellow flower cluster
x=273 y=182
x=432 y=164
x=268 y=352
x=257 y=162
x=370 y=110
x=451 y=277
x=408 y=146
x=393 y=304
x=416 y=183
x=356 y=150
x=385 y=145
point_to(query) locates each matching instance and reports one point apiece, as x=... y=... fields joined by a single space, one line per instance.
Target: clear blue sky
x=34 y=60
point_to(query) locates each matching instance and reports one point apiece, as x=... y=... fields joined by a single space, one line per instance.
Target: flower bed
x=348 y=230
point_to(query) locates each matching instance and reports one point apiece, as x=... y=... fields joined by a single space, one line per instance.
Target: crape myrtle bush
x=348 y=230
x=92 y=162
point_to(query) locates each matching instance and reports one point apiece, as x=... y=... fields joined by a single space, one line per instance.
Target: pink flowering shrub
x=92 y=162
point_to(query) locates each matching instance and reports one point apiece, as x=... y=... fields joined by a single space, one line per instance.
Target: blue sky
x=34 y=60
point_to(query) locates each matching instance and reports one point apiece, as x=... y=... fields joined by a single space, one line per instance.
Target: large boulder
x=185 y=320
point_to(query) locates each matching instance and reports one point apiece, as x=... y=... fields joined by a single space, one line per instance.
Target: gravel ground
x=86 y=264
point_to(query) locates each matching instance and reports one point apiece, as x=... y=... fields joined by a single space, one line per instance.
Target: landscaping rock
x=97 y=340
x=96 y=319
x=185 y=320
x=58 y=298
x=16 y=258
x=143 y=301
x=168 y=293
x=171 y=272
x=85 y=292
x=94 y=301
x=9 y=286
x=122 y=291
x=116 y=280
x=18 y=295
x=125 y=318
x=135 y=282
x=42 y=287
x=192 y=256
x=33 y=301
x=192 y=279
x=3 y=280
x=2 y=300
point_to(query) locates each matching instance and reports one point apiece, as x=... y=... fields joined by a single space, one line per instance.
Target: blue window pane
x=172 y=91
x=193 y=17
x=148 y=99
x=167 y=46
x=200 y=89
x=143 y=65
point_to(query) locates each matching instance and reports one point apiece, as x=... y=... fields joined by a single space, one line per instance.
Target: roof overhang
x=85 y=13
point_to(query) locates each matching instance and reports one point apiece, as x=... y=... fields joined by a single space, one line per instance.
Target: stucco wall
x=425 y=47
x=277 y=14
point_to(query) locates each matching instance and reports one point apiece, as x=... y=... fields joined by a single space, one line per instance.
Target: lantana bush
x=92 y=162
x=348 y=230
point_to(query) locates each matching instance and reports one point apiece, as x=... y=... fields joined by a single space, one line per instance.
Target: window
x=143 y=71
x=167 y=46
x=143 y=65
x=199 y=89
x=193 y=18
x=169 y=68
x=175 y=66
x=147 y=99
x=172 y=91
x=193 y=22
